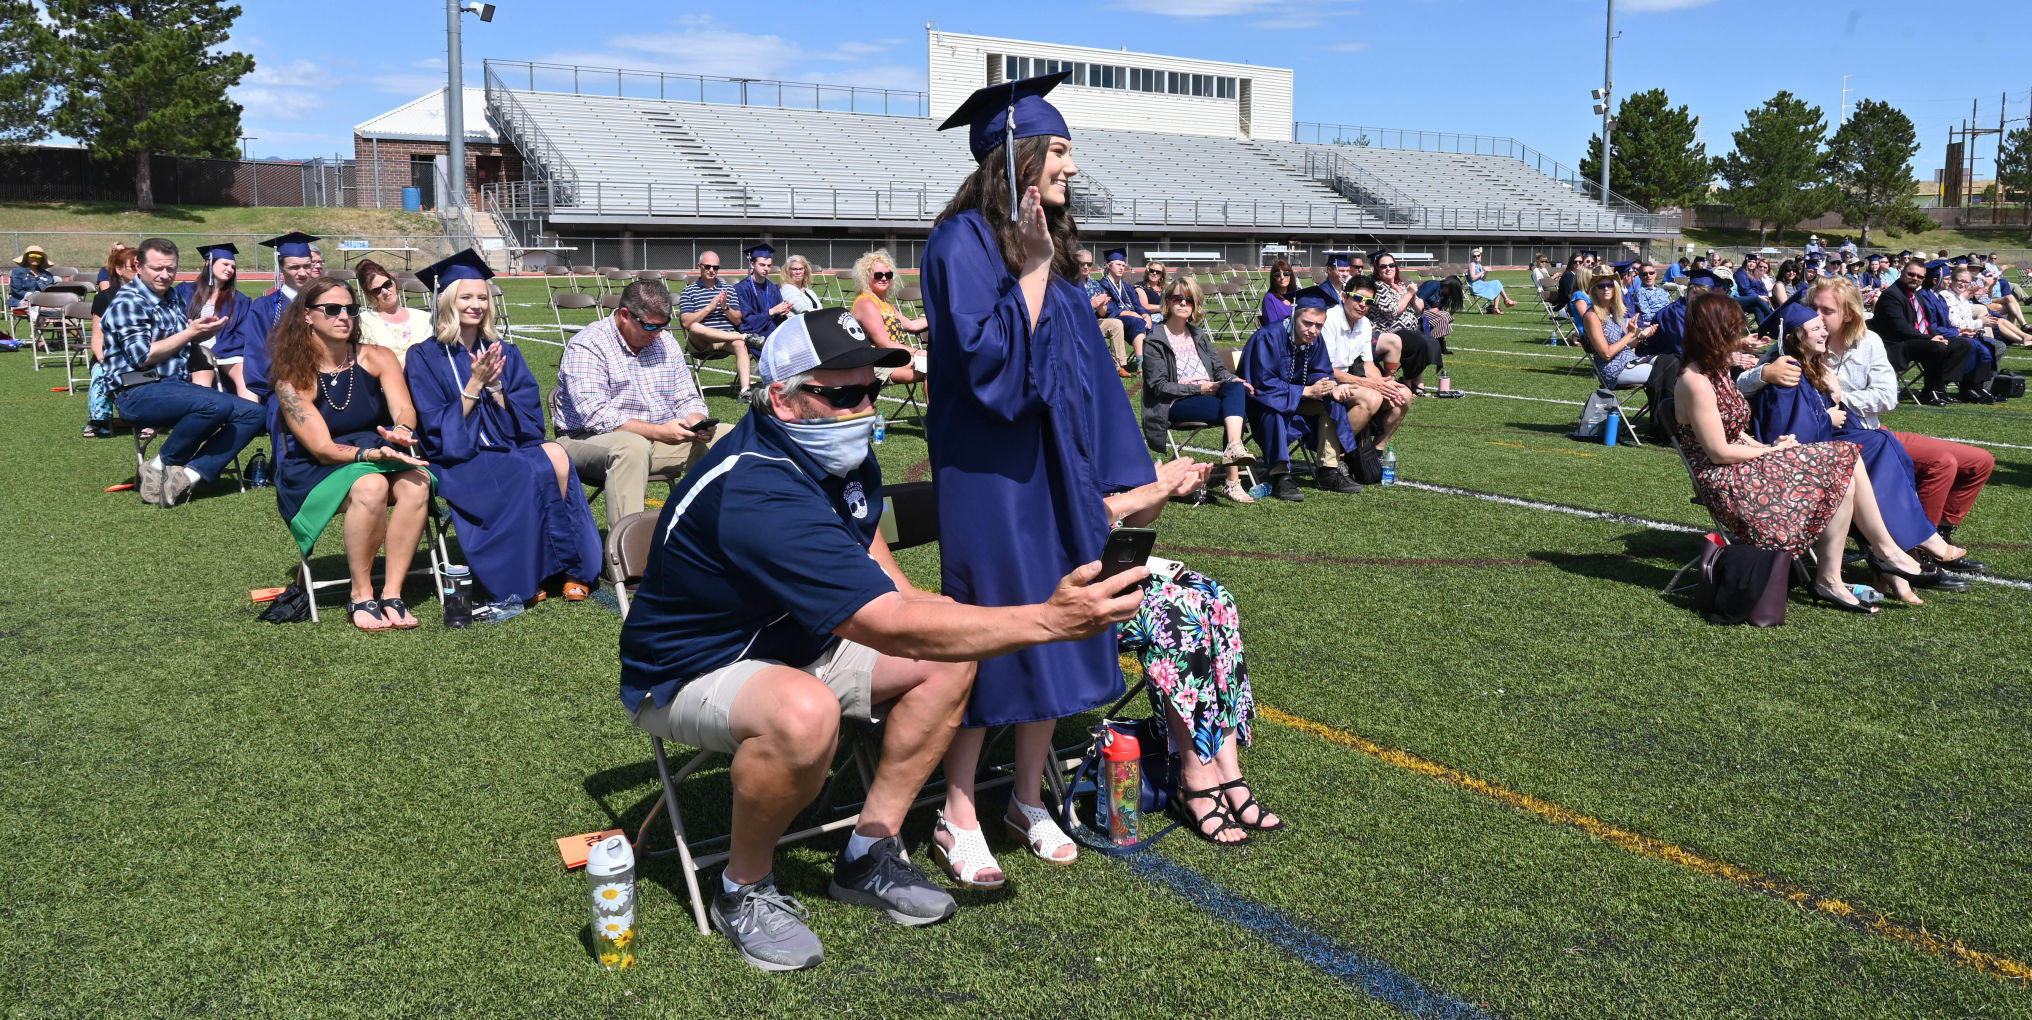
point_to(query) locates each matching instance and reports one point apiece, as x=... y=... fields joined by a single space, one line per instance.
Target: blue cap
x=1958 y=260
x=221 y=250
x=1115 y=255
x=1338 y=258
x=760 y=251
x=1313 y=297
x=465 y=265
x=1591 y=253
x=295 y=244
x=1703 y=278
x=1936 y=263
x=1620 y=266
x=1003 y=113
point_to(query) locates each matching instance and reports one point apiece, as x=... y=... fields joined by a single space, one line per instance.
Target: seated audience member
x=1605 y=330
x=1339 y=270
x=1911 y=333
x=30 y=274
x=880 y=320
x=1753 y=288
x=1111 y=327
x=2003 y=302
x=1184 y=379
x=1949 y=475
x=521 y=516
x=1353 y=350
x=1291 y=384
x=771 y=609
x=386 y=322
x=1572 y=279
x=1125 y=304
x=148 y=336
x=99 y=411
x=1277 y=294
x=214 y=292
x=1785 y=282
x=758 y=298
x=706 y=312
x=1543 y=276
x=1971 y=321
x=245 y=355
x=1151 y=290
x=1399 y=312
x=348 y=433
x=1486 y=287
x=1675 y=271
x=625 y=402
x=1782 y=495
x=1646 y=298
x=1442 y=299
x=798 y=278
x=1813 y=413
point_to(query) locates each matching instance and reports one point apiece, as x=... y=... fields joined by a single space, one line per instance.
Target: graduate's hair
x=1812 y=367
x=1714 y=322
x=1615 y=301
x=864 y=269
x=445 y=318
x=293 y=348
x=1283 y=265
x=987 y=189
x=207 y=289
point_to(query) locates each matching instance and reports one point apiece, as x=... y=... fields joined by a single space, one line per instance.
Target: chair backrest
x=66 y=272
x=342 y=274
x=52 y=299
x=556 y=270
x=80 y=311
x=573 y=299
x=909 y=514
x=649 y=275
x=1234 y=356
x=629 y=544
x=610 y=302
x=584 y=271
x=609 y=271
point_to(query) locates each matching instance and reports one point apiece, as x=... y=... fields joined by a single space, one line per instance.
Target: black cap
x=822 y=338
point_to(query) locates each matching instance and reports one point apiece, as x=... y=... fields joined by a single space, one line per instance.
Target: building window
x=1010 y=67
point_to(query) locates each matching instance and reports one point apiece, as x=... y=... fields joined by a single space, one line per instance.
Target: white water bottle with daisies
x=610 y=864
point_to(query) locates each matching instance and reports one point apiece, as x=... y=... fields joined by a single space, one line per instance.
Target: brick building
x=401 y=148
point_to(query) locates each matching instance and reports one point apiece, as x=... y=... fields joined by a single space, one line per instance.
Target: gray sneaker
x=176 y=484
x=766 y=926
x=885 y=879
x=151 y=483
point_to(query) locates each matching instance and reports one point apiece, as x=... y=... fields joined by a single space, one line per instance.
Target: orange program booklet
x=574 y=848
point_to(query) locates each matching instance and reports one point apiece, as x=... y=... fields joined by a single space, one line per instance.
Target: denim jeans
x=207 y=428
x=1231 y=402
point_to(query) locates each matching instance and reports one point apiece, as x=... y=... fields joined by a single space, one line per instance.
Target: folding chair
x=47 y=328
x=501 y=312
x=414 y=293
x=1720 y=532
x=435 y=553
x=1173 y=449
x=1563 y=331
x=557 y=278
x=77 y=321
x=614 y=280
x=566 y=299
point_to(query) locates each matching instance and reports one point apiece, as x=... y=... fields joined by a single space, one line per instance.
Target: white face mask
x=838 y=444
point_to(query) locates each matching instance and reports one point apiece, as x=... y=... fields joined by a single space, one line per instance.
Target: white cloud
x=1348 y=47
x=284 y=92
x=1199 y=8
x=704 y=46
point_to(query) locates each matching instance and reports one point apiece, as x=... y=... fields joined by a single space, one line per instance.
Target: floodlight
x=1601 y=107
x=485 y=11
x=1598 y=94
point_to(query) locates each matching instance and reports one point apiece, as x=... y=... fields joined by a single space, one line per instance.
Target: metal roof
x=423 y=120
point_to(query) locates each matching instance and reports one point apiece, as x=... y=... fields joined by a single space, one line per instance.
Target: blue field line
x=1372 y=977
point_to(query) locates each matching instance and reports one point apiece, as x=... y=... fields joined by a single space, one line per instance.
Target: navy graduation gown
x=1028 y=428
x=754 y=303
x=1801 y=411
x=515 y=528
x=262 y=314
x=1273 y=409
x=231 y=338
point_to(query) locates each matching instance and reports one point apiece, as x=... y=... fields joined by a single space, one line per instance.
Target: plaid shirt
x=134 y=321
x=601 y=383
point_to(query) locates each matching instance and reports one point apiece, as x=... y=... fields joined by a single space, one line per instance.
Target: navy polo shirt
x=759 y=555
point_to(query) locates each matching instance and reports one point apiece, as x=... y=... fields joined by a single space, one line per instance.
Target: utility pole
x=455 y=100
x=1844 y=100
x=1608 y=92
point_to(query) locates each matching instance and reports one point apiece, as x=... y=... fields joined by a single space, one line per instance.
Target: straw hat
x=33 y=249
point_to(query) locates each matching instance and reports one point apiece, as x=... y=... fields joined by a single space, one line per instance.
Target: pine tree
x=1657 y=163
x=1869 y=164
x=24 y=81
x=2014 y=164
x=1774 y=174
x=147 y=76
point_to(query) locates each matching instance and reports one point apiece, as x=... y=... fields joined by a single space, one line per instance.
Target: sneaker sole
x=755 y=961
x=866 y=899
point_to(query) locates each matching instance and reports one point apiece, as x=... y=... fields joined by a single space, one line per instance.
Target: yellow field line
x=1847 y=912
x=1540 y=449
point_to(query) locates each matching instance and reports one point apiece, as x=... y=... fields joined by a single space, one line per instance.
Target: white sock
x=729 y=884
x=857 y=845
x=155 y=462
x=194 y=476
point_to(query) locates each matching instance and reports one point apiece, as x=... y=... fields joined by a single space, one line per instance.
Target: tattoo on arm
x=292 y=405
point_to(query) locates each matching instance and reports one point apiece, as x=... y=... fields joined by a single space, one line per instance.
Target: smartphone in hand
x=1126 y=548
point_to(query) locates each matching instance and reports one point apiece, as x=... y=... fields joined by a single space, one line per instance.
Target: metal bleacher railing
x=698 y=88
x=1315 y=133
x=556 y=182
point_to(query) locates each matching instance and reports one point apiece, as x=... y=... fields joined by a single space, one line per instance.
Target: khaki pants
x=624 y=462
x=1329 y=438
x=1111 y=331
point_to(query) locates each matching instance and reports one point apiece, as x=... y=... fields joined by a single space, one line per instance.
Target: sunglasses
x=386 y=286
x=1358 y=299
x=1180 y=299
x=1380 y=266
x=709 y=265
x=882 y=276
x=333 y=309
x=846 y=398
x=1086 y=262
x=650 y=327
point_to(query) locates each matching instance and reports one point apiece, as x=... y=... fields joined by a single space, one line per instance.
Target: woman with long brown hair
x=1784 y=494
x=1277 y=296
x=1029 y=435
x=348 y=432
x=386 y=321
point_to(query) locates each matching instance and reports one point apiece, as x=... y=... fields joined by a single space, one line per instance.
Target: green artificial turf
x=206 y=814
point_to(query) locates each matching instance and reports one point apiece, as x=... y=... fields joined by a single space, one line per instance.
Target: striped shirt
x=696 y=296
x=134 y=321
x=602 y=382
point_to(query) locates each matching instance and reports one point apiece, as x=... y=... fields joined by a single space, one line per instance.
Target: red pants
x=1950 y=475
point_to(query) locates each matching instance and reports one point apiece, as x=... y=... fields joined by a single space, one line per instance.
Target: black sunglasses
x=386 y=285
x=649 y=327
x=1181 y=299
x=1380 y=266
x=882 y=276
x=846 y=398
x=709 y=265
x=333 y=309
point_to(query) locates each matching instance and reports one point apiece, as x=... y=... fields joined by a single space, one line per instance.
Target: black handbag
x=1744 y=584
x=289 y=607
x=2007 y=383
x=1365 y=461
x=1159 y=769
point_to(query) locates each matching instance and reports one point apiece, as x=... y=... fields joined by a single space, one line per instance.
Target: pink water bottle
x=1122 y=774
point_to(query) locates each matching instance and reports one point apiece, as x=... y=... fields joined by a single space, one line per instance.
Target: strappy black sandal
x=1249 y=802
x=372 y=608
x=393 y=609
x=1218 y=813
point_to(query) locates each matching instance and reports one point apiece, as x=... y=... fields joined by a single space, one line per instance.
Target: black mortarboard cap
x=1000 y=114
x=295 y=244
x=760 y=251
x=221 y=250
x=464 y=265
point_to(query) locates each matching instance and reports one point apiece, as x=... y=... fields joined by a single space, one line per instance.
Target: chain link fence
x=87 y=250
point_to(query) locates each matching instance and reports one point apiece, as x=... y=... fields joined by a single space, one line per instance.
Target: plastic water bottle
x=610 y=864
x=1445 y=382
x=1610 y=427
x=257 y=471
x=881 y=430
x=1122 y=785
x=1260 y=490
x=1389 y=465
x=458 y=596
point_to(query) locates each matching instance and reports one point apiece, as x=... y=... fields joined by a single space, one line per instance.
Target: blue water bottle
x=881 y=430
x=1610 y=428
x=1389 y=466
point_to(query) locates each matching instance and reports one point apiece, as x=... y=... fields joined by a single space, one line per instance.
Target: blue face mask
x=838 y=444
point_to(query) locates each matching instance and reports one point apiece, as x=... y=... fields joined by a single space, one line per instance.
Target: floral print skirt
x=1188 y=636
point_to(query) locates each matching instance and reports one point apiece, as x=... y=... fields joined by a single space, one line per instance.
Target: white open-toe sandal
x=1042 y=835
x=968 y=857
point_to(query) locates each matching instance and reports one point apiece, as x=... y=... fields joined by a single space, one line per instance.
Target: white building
x=1119 y=90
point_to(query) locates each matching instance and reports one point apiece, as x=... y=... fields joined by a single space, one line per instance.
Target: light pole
x=455 y=100
x=245 y=152
x=1604 y=98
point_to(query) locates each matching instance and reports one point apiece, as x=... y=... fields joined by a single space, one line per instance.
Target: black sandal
x=395 y=607
x=1218 y=813
x=1248 y=802
x=371 y=607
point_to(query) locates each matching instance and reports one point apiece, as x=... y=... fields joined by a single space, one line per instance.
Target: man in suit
x=1910 y=334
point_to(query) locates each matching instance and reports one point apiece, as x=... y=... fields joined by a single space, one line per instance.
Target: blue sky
x=1521 y=69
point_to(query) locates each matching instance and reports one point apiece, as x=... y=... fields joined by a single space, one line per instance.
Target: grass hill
x=78 y=233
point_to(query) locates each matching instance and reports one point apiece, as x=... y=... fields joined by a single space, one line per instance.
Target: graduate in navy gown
x=213 y=293
x=294 y=267
x=1028 y=426
x=761 y=304
x=1286 y=363
x=519 y=512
